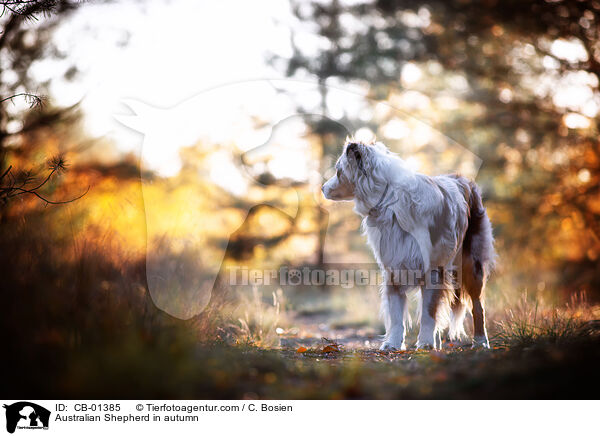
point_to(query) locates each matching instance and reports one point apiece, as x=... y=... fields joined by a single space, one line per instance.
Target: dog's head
x=356 y=162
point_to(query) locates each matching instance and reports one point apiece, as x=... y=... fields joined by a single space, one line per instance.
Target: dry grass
x=259 y=322
x=528 y=323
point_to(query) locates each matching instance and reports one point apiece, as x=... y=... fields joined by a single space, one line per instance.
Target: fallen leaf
x=301 y=350
x=331 y=349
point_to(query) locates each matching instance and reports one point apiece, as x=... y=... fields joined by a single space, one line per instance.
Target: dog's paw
x=480 y=342
x=390 y=346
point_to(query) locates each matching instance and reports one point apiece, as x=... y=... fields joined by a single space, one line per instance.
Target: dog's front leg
x=394 y=311
x=430 y=299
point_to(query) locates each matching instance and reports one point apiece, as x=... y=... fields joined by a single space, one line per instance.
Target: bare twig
x=33 y=100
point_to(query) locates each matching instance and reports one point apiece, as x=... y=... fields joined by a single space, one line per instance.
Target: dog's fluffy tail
x=479 y=241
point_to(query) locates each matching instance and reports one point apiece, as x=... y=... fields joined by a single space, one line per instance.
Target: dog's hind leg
x=480 y=338
x=473 y=282
x=435 y=304
x=458 y=310
x=430 y=299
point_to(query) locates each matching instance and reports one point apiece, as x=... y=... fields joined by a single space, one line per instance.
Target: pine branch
x=10 y=189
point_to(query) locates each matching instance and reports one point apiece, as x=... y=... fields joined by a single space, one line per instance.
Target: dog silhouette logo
x=182 y=268
x=26 y=415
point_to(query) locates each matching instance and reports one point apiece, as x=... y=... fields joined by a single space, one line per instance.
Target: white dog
x=421 y=230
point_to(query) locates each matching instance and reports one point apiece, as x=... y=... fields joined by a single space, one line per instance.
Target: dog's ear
x=353 y=151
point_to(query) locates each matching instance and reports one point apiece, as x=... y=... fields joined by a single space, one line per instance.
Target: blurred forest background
x=506 y=92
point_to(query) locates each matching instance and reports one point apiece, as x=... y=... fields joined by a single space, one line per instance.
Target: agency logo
x=26 y=415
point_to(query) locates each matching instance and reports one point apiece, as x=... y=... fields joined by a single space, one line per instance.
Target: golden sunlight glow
x=576 y=121
x=411 y=73
x=571 y=50
x=584 y=175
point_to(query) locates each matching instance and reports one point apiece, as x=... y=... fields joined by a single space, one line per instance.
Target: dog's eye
x=339 y=173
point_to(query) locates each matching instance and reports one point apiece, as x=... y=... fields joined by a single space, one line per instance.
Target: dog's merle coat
x=417 y=223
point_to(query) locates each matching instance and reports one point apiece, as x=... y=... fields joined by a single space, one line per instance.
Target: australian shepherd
x=427 y=233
